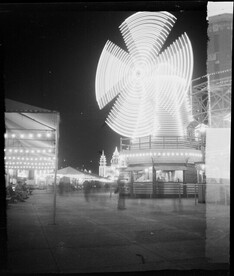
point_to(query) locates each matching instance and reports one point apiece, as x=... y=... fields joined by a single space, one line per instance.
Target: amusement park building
x=172 y=157
x=31 y=142
x=155 y=165
x=160 y=166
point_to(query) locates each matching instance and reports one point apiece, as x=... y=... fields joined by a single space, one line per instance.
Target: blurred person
x=87 y=190
x=14 y=194
x=61 y=187
x=19 y=189
x=121 y=190
x=25 y=189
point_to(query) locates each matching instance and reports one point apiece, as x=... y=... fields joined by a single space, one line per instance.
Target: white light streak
x=150 y=87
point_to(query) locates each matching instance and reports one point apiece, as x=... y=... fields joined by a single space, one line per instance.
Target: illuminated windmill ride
x=149 y=86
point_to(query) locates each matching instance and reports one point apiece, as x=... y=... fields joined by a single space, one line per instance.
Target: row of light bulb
x=29 y=167
x=215 y=73
x=163 y=154
x=30 y=135
x=29 y=151
x=28 y=163
x=38 y=172
x=221 y=82
x=29 y=158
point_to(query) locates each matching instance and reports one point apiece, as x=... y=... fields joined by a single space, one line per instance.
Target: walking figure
x=87 y=190
x=121 y=190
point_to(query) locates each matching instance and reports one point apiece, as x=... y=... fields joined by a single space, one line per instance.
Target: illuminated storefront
x=31 y=141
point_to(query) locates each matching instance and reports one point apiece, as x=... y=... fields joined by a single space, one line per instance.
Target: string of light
x=18 y=167
x=29 y=164
x=28 y=158
x=212 y=74
x=30 y=135
x=162 y=154
x=33 y=151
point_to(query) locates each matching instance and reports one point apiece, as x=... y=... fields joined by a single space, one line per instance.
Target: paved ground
x=93 y=236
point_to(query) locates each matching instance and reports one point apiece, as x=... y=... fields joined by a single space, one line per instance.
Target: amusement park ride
x=159 y=111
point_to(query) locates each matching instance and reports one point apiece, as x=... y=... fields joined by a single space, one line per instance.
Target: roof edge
x=15 y=106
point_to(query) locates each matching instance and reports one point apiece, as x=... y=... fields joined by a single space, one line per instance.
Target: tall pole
x=154 y=177
x=209 y=101
x=56 y=166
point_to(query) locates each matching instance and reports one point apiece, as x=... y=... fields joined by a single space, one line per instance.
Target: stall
x=31 y=142
x=77 y=177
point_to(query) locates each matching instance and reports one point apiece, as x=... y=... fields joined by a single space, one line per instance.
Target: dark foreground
x=93 y=236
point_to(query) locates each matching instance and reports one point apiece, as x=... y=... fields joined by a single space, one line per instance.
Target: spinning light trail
x=150 y=85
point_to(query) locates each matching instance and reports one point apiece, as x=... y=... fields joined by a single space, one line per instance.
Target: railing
x=160 y=142
x=145 y=188
x=220 y=193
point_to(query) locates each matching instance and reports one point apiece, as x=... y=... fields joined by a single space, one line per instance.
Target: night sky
x=51 y=54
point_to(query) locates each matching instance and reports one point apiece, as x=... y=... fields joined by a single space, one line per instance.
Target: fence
x=160 y=142
x=202 y=193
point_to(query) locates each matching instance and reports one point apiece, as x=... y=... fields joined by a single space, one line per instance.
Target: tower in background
x=102 y=165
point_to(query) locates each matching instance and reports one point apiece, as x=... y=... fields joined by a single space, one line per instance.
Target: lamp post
x=56 y=166
x=154 y=177
x=201 y=187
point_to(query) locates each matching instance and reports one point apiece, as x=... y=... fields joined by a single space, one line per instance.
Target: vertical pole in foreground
x=56 y=166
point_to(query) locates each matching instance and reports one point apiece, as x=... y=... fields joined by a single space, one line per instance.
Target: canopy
x=68 y=171
x=71 y=172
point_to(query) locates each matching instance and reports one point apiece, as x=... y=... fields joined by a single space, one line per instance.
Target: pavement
x=95 y=237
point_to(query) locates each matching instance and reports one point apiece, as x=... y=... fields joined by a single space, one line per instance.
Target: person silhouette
x=121 y=191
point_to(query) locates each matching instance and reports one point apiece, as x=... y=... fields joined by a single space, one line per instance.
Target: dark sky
x=50 y=59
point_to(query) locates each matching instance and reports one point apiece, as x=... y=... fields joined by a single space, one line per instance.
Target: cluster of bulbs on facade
x=28 y=136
